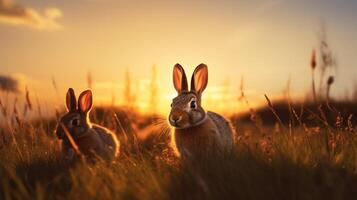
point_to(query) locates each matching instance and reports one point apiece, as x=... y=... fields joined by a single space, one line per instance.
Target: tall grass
x=312 y=163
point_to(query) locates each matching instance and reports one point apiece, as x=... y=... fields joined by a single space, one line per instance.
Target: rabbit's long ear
x=180 y=79
x=199 y=79
x=71 y=100
x=85 y=101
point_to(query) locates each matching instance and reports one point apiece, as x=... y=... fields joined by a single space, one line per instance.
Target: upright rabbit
x=196 y=132
x=91 y=139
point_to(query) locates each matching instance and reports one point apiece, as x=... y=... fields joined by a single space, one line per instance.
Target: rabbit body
x=196 y=132
x=98 y=141
x=212 y=136
x=92 y=140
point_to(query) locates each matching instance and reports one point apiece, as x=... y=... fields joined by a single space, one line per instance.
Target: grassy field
x=269 y=162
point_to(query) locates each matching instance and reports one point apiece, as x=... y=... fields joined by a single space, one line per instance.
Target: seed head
x=28 y=100
x=330 y=80
x=313 y=59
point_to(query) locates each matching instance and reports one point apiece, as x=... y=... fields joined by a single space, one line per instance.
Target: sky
x=267 y=42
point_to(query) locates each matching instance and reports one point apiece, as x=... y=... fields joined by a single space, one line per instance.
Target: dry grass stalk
x=241 y=89
x=89 y=79
x=57 y=114
x=313 y=59
x=28 y=104
x=330 y=81
x=128 y=139
x=319 y=118
x=350 y=124
x=15 y=113
x=55 y=86
x=298 y=118
x=287 y=94
x=354 y=95
x=327 y=135
x=327 y=58
x=3 y=109
x=253 y=114
x=339 y=121
x=71 y=140
x=14 y=141
x=122 y=130
x=38 y=107
x=28 y=100
x=274 y=111
x=313 y=67
x=25 y=110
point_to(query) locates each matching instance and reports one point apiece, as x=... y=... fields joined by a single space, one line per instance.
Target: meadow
x=311 y=158
x=283 y=150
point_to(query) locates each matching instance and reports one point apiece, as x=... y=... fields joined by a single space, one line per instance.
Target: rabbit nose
x=175 y=118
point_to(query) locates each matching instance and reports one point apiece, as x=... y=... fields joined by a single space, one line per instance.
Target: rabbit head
x=76 y=120
x=186 y=109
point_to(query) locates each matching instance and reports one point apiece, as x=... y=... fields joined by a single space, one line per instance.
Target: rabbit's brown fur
x=91 y=139
x=197 y=133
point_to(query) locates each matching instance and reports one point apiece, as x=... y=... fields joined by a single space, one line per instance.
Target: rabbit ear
x=199 y=79
x=85 y=101
x=71 y=100
x=180 y=79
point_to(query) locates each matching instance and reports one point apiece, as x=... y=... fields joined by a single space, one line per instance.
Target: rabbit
x=197 y=133
x=92 y=140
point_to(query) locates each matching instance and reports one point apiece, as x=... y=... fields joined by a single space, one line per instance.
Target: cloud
x=16 y=14
x=9 y=84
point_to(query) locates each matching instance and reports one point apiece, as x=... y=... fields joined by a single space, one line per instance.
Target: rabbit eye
x=75 y=122
x=193 y=104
